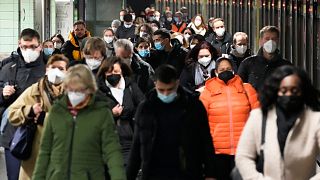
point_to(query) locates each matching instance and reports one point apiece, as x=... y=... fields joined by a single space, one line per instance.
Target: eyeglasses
x=33 y=47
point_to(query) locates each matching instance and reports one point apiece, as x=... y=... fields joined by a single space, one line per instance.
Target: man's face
x=269 y=36
x=123 y=54
x=166 y=89
x=33 y=44
x=79 y=30
x=157 y=38
x=241 y=40
x=218 y=25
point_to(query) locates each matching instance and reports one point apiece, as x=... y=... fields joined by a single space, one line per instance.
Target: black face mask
x=113 y=79
x=226 y=76
x=290 y=103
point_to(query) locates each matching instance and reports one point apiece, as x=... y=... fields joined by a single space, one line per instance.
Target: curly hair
x=269 y=92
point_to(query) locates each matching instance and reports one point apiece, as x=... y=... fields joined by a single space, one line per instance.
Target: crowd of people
x=158 y=97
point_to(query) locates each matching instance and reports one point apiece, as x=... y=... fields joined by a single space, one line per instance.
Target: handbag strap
x=263 y=129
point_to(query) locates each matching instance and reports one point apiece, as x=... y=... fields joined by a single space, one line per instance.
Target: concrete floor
x=3 y=173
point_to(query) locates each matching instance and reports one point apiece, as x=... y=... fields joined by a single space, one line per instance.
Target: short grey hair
x=240 y=34
x=116 y=23
x=125 y=44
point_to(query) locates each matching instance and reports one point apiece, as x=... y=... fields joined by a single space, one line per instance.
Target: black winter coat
x=256 y=69
x=16 y=72
x=221 y=46
x=126 y=33
x=195 y=139
x=132 y=97
x=142 y=73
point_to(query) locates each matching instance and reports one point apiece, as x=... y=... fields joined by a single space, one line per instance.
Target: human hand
x=8 y=90
x=117 y=110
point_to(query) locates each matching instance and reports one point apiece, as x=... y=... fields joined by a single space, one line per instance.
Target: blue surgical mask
x=159 y=46
x=144 y=53
x=176 y=19
x=167 y=98
x=48 y=51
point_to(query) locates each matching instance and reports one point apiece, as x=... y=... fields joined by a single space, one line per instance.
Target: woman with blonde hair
x=198 y=25
x=79 y=136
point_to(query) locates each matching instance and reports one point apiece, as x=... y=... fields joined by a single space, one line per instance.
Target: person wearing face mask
x=80 y=133
x=228 y=102
x=255 y=69
x=48 y=49
x=110 y=39
x=33 y=106
x=166 y=20
x=146 y=53
x=220 y=38
x=178 y=24
x=290 y=106
x=198 y=25
x=141 y=70
x=24 y=68
x=239 y=49
x=127 y=30
x=115 y=83
x=115 y=24
x=187 y=33
x=194 y=40
x=122 y=13
x=199 y=64
x=163 y=145
x=94 y=53
x=170 y=51
x=71 y=48
x=144 y=31
x=58 y=41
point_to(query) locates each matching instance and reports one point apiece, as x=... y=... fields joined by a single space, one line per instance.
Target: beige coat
x=301 y=149
x=18 y=112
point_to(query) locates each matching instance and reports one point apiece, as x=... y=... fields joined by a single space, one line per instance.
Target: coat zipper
x=71 y=147
x=230 y=121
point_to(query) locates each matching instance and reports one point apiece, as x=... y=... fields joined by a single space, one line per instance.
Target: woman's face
x=187 y=31
x=143 y=45
x=116 y=70
x=224 y=66
x=290 y=86
x=97 y=55
x=204 y=53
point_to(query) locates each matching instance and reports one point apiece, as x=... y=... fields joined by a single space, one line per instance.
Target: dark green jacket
x=76 y=148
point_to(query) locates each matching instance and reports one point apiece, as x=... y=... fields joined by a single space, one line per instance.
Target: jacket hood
x=216 y=85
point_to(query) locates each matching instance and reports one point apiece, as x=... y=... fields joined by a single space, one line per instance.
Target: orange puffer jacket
x=228 y=107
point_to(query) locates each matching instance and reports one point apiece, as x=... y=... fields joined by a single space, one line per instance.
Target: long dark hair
x=269 y=92
x=193 y=54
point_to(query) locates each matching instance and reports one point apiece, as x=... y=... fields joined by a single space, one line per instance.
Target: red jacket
x=180 y=28
x=228 y=107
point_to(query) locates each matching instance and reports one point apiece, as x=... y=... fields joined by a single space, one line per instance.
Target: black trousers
x=223 y=166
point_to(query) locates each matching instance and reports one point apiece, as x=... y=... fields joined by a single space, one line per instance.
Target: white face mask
x=197 y=22
x=205 y=61
x=133 y=17
x=93 y=63
x=169 y=19
x=76 y=98
x=57 y=45
x=192 y=46
x=55 y=76
x=108 y=39
x=270 y=46
x=121 y=18
x=30 y=55
x=241 y=49
x=114 y=29
x=127 y=26
x=220 y=31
